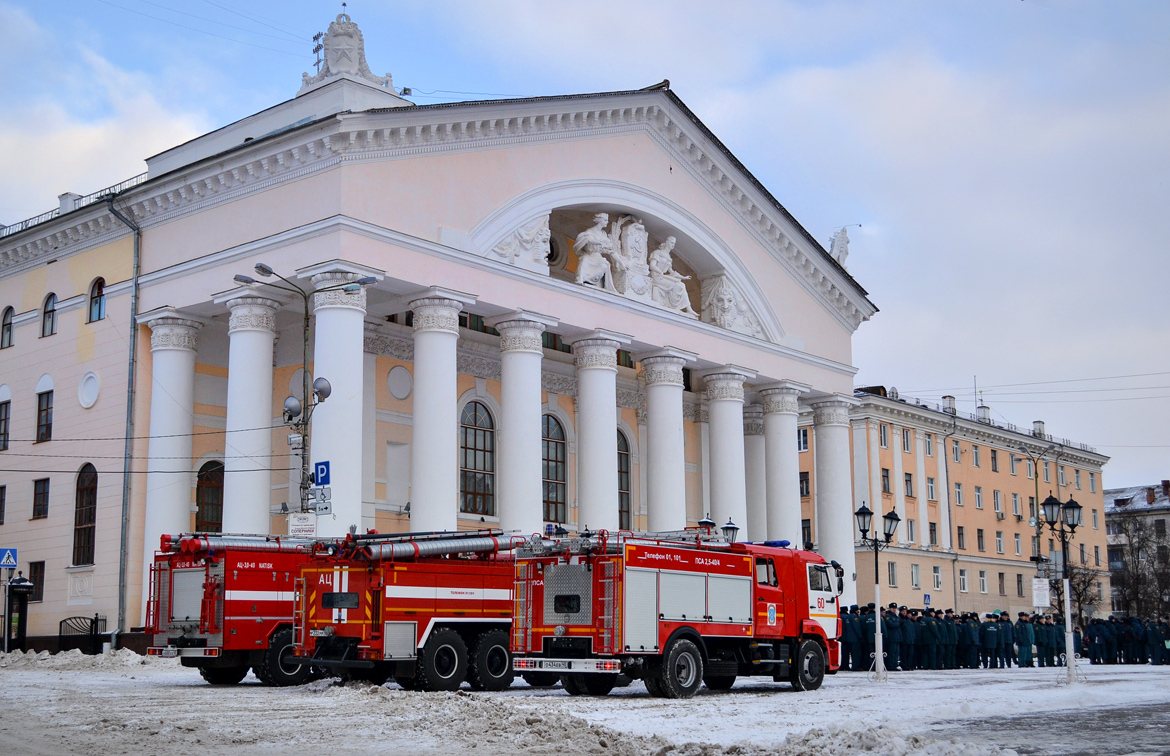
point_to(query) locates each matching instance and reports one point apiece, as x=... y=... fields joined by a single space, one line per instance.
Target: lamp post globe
x=730 y=531
x=890 y=522
x=864 y=518
x=1051 y=507
x=1072 y=513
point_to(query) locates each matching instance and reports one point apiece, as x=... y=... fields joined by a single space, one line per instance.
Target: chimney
x=68 y=202
x=893 y=393
x=983 y=414
x=1166 y=488
x=949 y=405
x=1038 y=428
x=1151 y=495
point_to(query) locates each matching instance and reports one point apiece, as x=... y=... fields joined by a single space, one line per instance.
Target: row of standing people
x=1129 y=640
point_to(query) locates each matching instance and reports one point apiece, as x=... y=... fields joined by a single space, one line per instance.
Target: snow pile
x=883 y=741
x=74 y=660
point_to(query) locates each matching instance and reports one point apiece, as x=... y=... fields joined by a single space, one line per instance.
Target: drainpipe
x=946 y=456
x=130 y=382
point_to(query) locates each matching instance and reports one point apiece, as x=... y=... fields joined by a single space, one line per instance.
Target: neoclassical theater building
x=576 y=311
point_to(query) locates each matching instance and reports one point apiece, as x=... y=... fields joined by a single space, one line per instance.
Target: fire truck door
x=769 y=608
x=640 y=611
x=822 y=599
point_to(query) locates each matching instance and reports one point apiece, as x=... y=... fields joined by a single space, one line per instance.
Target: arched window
x=84 y=515
x=97 y=300
x=555 y=471
x=623 y=482
x=49 y=316
x=209 y=498
x=477 y=461
x=6 y=328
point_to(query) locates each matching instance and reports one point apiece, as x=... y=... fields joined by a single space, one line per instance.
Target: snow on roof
x=1137 y=499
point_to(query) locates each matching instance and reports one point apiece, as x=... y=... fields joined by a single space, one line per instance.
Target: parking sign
x=321 y=473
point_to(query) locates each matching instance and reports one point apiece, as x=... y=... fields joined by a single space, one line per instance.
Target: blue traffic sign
x=8 y=558
x=926 y=600
x=321 y=473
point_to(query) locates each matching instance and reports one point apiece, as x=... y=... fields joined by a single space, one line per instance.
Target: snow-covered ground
x=123 y=703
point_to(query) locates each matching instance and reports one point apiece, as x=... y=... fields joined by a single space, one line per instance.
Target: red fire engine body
x=675 y=610
x=224 y=604
x=429 y=610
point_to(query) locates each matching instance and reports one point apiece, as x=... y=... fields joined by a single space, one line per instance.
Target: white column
x=369 y=428
x=519 y=475
x=336 y=429
x=755 y=475
x=666 y=462
x=835 y=524
x=898 y=484
x=247 y=481
x=920 y=490
x=944 y=493
x=875 y=466
x=173 y=344
x=781 y=412
x=597 y=478
x=861 y=475
x=434 y=450
x=728 y=475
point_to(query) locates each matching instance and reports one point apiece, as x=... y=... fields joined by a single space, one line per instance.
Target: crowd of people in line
x=937 y=639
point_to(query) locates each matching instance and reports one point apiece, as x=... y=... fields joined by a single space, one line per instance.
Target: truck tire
x=653 y=685
x=808 y=668
x=442 y=664
x=591 y=684
x=719 y=682
x=491 y=662
x=682 y=670
x=276 y=668
x=223 y=675
x=541 y=679
x=407 y=683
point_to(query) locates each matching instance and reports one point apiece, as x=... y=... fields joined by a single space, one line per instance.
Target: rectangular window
x=886 y=480
x=975 y=455
x=928 y=444
x=1031 y=470
x=1035 y=546
x=1077 y=479
x=806 y=531
x=3 y=497
x=36 y=576
x=1002 y=584
x=1084 y=558
x=962 y=581
x=955 y=454
x=997 y=501
x=1092 y=482
x=1095 y=519
x=999 y=542
x=5 y=415
x=937 y=571
x=994 y=460
x=930 y=493
x=884 y=435
x=40 y=499
x=805 y=489
x=1019 y=584
x=979 y=542
x=911 y=535
x=961 y=536
x=1051 y=547
x=45 y=417
x=907 y=441
x=934 y=534
x=958 y=494
x=1019 y=545
x=910 y=485
x=1060 y=475
x=914 y=581
x=1031 y=506
x=979 y=497
x=893 y=573
x=983 y=581
x=802 y=439
x=1013 y=463
x=1096 y=549
x=1047 y=476
x=1016 y=504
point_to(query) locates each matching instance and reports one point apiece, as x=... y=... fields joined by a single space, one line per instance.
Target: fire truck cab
x=676 y=610
x=224 y=604
x=428 y=610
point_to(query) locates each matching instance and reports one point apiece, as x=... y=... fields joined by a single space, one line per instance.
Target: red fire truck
x=224 y=604
x=429 y=610
x=676 y=610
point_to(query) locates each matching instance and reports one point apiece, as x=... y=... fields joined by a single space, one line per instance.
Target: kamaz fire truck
x=428 y=610
x=224 y=604
x=676 y=610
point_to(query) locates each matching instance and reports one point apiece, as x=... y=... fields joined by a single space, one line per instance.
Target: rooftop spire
x=345 y=56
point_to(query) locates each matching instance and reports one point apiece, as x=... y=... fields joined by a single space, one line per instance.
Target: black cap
x=871 y=605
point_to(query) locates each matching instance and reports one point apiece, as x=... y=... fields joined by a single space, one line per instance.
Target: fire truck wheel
x=808 y=671
x=541 y=679
x=407 y=683
x=682 y=670
x=653 y=685
x=719 y=682
x=276 y=667
x=223 y=675
x=442 y=665
x=491 y=662
x=588 y=684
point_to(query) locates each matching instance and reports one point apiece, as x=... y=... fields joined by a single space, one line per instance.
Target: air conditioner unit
x=999 y=515
x=1019 y=517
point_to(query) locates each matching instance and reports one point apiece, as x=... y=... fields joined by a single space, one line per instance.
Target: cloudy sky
x=1008 y=161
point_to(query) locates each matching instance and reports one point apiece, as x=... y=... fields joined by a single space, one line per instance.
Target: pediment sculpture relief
x=345 y=53
x=724 y=306
x=527 y=247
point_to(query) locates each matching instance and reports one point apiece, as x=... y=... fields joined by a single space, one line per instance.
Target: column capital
x=832 y=411
x=337 y=273
x=783 y=397
x=598 y=349
x=250 y=309
x=170 y=329
x=520 y=330
x=664 y=366
x=753 y=420
x=726 y=383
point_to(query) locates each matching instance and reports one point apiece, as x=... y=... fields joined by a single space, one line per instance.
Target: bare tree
x=1139 y=576
x=1082 y=588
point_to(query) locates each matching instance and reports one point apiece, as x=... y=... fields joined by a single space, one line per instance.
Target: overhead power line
x=201 y=31
x=146 y=472
x=228 y=26
x=144 y=438
x=1038 y=383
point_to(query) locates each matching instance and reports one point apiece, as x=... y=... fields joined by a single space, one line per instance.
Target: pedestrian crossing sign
x=8 y=558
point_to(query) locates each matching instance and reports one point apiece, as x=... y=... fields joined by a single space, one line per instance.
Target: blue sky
x=1007 y=159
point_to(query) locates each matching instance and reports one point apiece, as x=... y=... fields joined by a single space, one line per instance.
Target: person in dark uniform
x=1025 y=639
x=869 y=621
x=974 y=640
x=1058 y=648
x=1110 y=630
x=1155 y=641
x=1042 y=640
x=950 y=660
x=893 y=640
x=934 y=639
x=909 y=639
x=1008 y=636
x=989 y=641
x=849 y=639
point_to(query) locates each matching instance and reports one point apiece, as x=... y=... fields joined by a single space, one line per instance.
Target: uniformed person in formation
x=989 y=637
x=1007 y=635
x=1025 y=639
x=892 y=637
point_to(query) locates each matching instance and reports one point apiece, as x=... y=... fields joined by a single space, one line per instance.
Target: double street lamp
x=1063 y=520
x=296 y=415
x=889 y=526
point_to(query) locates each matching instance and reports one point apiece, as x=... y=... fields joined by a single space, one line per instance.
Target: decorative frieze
x=527 y=247
x=174 y=333
x=724 y=306
x=478 y=365
x=555 y=383
x=389 y=345
x=753 y=420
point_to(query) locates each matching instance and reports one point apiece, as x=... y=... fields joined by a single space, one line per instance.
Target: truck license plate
x=555 y=665
x=318 y=633
x=170 y=652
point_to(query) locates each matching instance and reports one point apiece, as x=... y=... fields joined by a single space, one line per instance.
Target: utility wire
x=119 y=456
x=285 y=29
x=148 y=472
x=229 y=26
x=144 y=438
x=1064 y=391
x=201 y=31
x=1039 y=383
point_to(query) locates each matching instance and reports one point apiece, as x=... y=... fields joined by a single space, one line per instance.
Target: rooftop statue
x=345 y=55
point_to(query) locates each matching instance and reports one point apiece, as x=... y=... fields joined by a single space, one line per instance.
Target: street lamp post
x=297 y=416
x=1063 y=520
x=890 y=526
